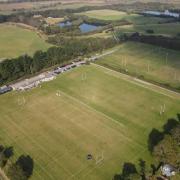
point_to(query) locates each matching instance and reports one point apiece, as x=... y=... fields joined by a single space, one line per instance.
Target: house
x=168 y=170
x=154 y=13
x=165 y=13
x=37 y=16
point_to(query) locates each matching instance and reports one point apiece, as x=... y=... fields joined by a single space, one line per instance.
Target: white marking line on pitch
x=22 y=150
x=90 y=108
x=117 y=122
x=101 y=113
x=137 y=82
x=40 y=147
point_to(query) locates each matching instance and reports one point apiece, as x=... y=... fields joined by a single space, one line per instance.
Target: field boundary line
x=100 y=113
x=82 y=103
x=10 y=141
x=89 y=107
x=40 y=147
x=136 y=81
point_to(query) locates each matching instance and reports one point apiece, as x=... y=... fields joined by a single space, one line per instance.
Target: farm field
x=107 y=14
x=96 y=112
x=146 y=61
x=167 y=29
x=15 y=41
x=45 y=5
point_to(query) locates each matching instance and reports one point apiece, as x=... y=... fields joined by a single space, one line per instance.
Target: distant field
x=51 y=20
x=15 y=41
x=97 y=112
x=107 y=14
x=48 y=4
x=151 y=62
x=167 y=29
x=26 y=5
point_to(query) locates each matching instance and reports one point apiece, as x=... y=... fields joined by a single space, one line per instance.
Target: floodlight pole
x=166 y=58
x=148 y=66
x=175 y=75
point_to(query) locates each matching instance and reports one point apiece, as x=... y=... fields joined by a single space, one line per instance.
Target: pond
x=84 y=27
x=65 y=24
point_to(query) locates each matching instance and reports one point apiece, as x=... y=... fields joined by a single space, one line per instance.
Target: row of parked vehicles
x=67 y=67
x=56 y=71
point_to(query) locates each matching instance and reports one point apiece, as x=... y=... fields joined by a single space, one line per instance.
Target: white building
x=165 y=13
x=34 y=81
x=155 y=13
x=168 y=170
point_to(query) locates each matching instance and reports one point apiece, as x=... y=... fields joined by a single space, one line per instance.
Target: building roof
x=168 y=170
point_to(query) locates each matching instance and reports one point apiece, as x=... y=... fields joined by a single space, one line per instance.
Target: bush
x=27 y=165
x=154 y=138
x=150 y=31
x=128 y=169
x=171 y=124
x=8 y=152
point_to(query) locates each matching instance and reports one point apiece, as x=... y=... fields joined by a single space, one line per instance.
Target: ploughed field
x=146 y=61
x=16 y=41
x=88 y=110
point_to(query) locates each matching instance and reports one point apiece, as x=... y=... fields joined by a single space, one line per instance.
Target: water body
x=84 y=27
x=65 y=24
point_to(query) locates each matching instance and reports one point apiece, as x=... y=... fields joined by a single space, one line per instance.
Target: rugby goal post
x=99 y=158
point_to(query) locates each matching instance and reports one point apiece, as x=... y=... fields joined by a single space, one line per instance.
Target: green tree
x=154 y=138
x=15 y=172
x=168 y=150
x=26 y=163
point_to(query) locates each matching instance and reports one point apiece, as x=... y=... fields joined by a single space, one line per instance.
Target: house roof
x=168 y=170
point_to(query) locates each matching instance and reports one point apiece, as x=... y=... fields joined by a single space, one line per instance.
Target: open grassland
x=15 y=41
x=142 y=60
x=107 y=14
x=48 y=4
x=26 y=5
x=167 y=29
x=51 y=20
x=97 y=111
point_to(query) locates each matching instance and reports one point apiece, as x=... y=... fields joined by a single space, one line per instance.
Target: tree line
x=163 y=146
x=21 y=169
x=12 y=69
x=162 y=41
x=132 y=7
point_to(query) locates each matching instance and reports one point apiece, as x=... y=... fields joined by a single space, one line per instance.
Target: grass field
x=52 y=21
x=154 y=63
x=15 y=41
x=167 y=29
x=107 y=14
x=97 y=111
